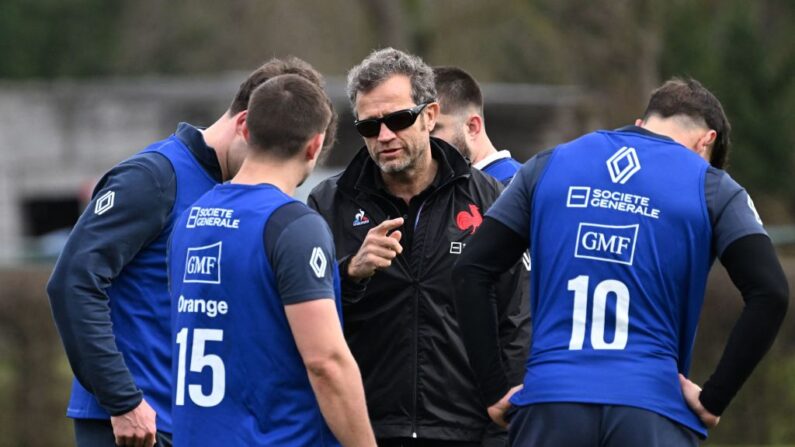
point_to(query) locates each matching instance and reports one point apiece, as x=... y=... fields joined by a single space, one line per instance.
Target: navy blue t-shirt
x=296 y=228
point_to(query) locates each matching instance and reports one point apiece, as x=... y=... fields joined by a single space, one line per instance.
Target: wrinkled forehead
x=391 y=95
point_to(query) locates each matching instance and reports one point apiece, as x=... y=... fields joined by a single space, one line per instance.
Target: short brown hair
x=276 y=67
x=284 y=113
x=456 y=90
x=688 y=97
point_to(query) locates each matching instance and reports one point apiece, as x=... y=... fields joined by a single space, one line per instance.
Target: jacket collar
x=362 y=174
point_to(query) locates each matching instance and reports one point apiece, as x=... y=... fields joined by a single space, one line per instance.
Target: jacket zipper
x=415 y=393
x=416 y=323
x=416 y=359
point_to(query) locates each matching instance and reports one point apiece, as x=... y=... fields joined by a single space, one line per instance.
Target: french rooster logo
x=472 y=219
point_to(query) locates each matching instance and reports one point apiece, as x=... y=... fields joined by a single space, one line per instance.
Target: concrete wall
x=57 y=138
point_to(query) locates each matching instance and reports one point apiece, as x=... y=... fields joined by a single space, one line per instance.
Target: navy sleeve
x=129 y=209
x=512 y=208
x=731 y=210
x=301 y=252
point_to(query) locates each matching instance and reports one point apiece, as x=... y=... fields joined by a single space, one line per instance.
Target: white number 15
x=198 y=360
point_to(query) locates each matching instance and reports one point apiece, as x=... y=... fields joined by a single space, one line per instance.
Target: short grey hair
x=382 y=64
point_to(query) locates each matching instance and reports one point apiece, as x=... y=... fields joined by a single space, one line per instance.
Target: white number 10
x=579 y=286
x=198 y=360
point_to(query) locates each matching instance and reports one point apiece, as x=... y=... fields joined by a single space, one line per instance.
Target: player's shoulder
x=721 y=179
x=720 y=187
x=530 y=171
x=138 y=170
x=296 y=217
x=294 y=226
x=293 y=211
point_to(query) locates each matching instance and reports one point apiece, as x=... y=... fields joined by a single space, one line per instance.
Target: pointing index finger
x=387 y=225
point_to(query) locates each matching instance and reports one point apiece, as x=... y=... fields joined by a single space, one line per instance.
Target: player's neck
x=671 y=128
x=284 y=174
x=481 y=149
x=219 y=136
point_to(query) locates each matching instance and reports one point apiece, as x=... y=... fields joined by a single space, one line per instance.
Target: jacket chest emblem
x=471 y=219
x=360 y=218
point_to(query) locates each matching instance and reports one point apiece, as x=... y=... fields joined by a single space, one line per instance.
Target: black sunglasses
x=395 y=121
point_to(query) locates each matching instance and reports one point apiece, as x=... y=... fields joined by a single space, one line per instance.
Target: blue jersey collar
x=192 y=137
x=642 y=131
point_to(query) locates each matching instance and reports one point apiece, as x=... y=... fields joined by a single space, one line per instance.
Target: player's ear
x=639 y=122
x=474 y=125
x=243 y=129
x=314 y=146
x=240 y=121
x=705 y=144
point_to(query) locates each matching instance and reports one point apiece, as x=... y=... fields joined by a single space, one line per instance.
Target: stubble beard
x=397 y=166
x=460 y=143
x=412 y=151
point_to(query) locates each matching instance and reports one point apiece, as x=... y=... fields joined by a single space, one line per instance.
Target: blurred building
x=58 y=137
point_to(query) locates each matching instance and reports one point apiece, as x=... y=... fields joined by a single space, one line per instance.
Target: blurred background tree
x=57 y=38
x=745 y=54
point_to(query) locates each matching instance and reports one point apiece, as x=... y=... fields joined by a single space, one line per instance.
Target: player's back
x=621 y=243
x=239 y=378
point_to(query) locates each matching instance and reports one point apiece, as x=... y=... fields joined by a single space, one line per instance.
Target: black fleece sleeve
x=138 y=196
x=755 y=270
x=352 y=290
x=492 y=250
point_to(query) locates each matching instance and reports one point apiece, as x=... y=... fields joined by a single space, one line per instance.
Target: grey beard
x=391 y=168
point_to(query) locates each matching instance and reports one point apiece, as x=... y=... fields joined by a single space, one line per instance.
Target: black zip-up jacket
x=401 y=324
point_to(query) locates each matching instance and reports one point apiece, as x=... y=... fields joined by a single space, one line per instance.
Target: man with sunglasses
x=461 y=123
x=401 y=213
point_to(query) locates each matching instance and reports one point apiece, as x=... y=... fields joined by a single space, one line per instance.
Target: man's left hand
x=691 y=392
x=498 y=410
x=136 y=428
